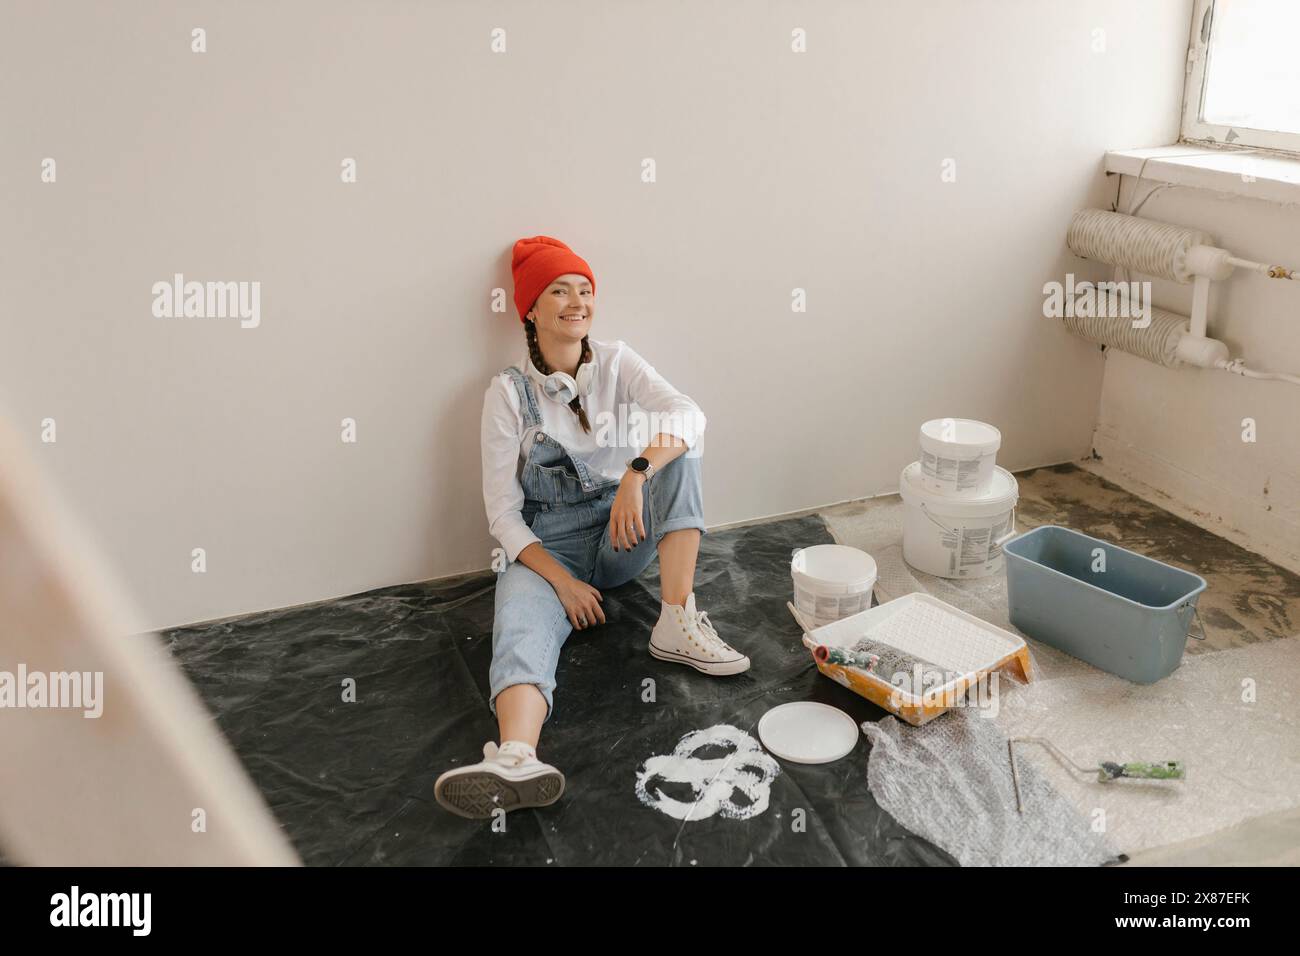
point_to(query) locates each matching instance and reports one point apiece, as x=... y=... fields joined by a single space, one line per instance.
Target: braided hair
x=535 y=353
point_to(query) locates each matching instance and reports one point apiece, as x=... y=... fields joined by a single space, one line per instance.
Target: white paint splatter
x=714 y=781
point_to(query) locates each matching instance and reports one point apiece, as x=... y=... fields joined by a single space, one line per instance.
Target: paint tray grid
x=926 y=629
x=935 y=634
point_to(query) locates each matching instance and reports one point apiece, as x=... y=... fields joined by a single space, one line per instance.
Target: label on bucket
x=970 y=547
x=999 y=529
x=827 y=607
x=949 y=470
x=975 y=546
x=950 y=540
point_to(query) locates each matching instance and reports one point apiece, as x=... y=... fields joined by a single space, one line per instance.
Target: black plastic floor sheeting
x=352 y=783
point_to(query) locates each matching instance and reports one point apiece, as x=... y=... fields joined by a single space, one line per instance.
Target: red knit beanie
x=537 y=262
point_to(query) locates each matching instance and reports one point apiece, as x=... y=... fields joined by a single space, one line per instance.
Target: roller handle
x=1168 y=770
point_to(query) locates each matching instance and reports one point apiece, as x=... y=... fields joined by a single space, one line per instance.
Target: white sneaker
x=687 y=637
x=510 y=777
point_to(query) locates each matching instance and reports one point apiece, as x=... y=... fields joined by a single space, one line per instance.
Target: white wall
x=776 y=170
x=1181 y=431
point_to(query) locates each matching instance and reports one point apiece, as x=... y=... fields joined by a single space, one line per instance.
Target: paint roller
x=825 y=654
x=835 y=655
x=1106 y=771
x=875 y=657
x=1168 y=252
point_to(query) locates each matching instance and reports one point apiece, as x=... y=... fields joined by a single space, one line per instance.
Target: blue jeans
x=530 y=625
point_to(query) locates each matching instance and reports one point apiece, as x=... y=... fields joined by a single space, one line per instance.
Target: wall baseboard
x=1219 y=510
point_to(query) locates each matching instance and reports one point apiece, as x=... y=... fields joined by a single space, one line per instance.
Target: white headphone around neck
x=561 y=386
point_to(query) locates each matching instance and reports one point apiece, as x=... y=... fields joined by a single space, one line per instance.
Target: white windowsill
x=1276 y=178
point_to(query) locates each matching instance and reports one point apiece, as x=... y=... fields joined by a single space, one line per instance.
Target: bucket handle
x=936 y=520
x=1196 y=618
x=1011 y=530
x=997 y=542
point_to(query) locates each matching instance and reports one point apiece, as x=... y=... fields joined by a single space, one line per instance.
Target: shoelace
x=706 y=628
x=492 y=752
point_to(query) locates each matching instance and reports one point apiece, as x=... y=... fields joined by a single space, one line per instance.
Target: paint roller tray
x=930 y=654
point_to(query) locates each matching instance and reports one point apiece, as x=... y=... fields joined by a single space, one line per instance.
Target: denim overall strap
x=589 y=485
x=527 y=398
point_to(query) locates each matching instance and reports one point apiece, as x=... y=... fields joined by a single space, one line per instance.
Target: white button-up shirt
x=630 y=404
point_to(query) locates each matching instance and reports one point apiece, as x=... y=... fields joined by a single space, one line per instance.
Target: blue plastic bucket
x=1118 y=610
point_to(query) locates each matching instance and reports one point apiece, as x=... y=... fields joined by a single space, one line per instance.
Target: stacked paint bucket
x=959 y=507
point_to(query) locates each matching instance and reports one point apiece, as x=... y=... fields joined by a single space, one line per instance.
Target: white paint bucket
x=831 y=581
x=958 y=456
x=957 y=537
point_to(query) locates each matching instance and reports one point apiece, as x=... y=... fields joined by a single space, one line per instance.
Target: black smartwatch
x=642 y=466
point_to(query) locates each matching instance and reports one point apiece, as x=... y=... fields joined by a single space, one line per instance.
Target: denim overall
x=567 y=506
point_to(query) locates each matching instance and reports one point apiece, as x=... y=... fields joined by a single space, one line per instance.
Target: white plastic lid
x=833 y=569
x=805 y=731
x=1002 y=496
x=961 y=436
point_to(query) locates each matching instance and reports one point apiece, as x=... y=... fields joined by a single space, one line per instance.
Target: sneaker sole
x=476 y=794
x=718 y=669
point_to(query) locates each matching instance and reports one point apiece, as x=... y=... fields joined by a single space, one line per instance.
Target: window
x=1243 y=74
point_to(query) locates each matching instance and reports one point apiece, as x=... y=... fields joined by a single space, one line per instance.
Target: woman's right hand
x=581 y=602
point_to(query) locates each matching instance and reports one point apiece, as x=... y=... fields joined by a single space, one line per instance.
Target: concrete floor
x=1248 y=601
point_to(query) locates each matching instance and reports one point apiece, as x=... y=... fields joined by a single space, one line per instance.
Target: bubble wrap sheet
x=950 y=782
x=1242 y=758
x=1232 y=717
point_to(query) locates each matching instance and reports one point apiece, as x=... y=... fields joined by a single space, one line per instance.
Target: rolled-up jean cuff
x=679 y=524
x=547 y=694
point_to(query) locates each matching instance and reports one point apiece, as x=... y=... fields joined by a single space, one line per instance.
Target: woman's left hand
x=626 y=529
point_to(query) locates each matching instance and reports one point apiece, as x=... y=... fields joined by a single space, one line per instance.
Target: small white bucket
x=957 y=537
x=958 y=456
x=831 y=581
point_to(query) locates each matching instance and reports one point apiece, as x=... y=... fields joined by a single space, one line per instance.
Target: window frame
x=1194 y=128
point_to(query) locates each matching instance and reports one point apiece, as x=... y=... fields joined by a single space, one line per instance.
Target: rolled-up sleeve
x=503 y=495
x=673 y=413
